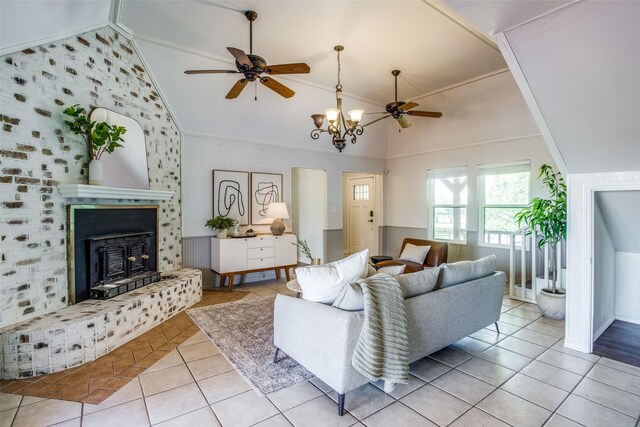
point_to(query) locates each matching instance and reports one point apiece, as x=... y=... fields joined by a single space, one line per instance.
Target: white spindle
x=546 y=265
x=560 y=283
x=534 y=276
x=523 y=264
x=512 y=265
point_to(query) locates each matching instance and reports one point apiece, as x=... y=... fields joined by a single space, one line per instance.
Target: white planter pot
x=222 y=234
x=552 y=305
x=95 y=172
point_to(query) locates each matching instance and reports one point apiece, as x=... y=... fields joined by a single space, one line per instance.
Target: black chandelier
x=339 y=128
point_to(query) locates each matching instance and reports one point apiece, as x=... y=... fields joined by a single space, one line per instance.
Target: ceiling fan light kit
x=337 y=126
x=252 y=66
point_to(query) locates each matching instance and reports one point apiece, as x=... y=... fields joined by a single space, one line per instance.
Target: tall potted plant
x=549 y=218
x=101 y=137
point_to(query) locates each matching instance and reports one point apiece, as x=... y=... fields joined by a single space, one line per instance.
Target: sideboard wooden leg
x=277 y=270
x=230 y=282
x=286 y=273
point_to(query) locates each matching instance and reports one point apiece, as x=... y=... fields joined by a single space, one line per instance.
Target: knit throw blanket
x=382 y=350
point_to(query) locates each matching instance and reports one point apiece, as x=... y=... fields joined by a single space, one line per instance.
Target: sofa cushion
x=420 y=282
x=414 y=253
x=350 y=297
x=322 y=283
x=463 y=271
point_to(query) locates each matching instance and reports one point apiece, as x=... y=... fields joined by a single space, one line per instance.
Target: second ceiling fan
x=399 y=109
x=252 y=66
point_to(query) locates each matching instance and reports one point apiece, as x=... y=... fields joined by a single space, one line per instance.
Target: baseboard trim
x=604 y=327
x=628 y=319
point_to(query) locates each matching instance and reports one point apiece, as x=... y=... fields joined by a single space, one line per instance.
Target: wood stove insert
x=112 y=250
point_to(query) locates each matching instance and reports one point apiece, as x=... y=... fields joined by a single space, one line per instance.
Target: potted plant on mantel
x=101 y=137
x=549 y=218
x=221 y=224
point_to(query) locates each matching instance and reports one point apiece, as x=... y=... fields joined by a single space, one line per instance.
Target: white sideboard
x=233 y=256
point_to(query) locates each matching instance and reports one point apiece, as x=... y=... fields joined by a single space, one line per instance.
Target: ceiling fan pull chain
x=255 y=90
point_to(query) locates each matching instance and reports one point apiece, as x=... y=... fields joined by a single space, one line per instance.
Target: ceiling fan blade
x=277 y=87
x=433 y=114
x=377 y=112
x=240 y=56
x=209 y=71
x=408 y=106
x=376 y=120
x=297 y=68
x=237 y=88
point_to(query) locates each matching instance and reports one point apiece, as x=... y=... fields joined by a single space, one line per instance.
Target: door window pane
x=361 y=192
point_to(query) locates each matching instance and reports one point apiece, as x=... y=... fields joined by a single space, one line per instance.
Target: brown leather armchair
x=436 y=256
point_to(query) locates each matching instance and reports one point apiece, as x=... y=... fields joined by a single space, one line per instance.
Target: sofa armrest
x=319 y=337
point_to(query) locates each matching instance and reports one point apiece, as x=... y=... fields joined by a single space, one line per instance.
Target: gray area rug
x=243 y=332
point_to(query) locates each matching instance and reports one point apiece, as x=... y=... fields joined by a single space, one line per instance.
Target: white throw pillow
x=391 y=270
x=322 y=283
x=414 y=253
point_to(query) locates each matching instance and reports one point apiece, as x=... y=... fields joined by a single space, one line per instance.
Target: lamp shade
x=277 y=210
x=356 y=115
x=332 y=114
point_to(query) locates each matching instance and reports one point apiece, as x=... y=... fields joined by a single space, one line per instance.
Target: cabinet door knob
x=144 y=256
x=131 y=258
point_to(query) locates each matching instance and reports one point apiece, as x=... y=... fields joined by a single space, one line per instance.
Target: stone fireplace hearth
x=83 y=332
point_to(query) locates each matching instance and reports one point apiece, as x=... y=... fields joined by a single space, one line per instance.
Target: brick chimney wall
x=37 y=151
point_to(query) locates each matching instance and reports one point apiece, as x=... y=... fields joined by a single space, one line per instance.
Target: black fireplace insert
x=112 y=250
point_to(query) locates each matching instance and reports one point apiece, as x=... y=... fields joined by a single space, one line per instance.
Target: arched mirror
x=126 y=166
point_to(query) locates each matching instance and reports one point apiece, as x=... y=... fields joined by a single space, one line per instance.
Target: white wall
x=581 y=63
x=604 y=269
x=26 y=24
x=203 y=154
x=309 y=208
x=483 y=122
x=580 y=202
x=628 y=287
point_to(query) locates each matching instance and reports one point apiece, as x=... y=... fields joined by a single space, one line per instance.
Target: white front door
x=361 y=211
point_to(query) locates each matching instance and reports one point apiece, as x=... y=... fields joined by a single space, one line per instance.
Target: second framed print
x=265 y=189
x=231 y=195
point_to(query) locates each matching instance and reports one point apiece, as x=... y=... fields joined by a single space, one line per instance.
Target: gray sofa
x=322 y=338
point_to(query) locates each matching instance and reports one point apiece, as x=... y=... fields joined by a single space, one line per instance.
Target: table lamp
x=278 y=211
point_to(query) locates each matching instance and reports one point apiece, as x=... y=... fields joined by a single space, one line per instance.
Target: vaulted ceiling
x=431 y=49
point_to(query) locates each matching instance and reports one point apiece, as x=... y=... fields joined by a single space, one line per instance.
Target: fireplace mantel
x=83 y=191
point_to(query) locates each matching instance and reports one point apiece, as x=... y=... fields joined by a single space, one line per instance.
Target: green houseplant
x=221 y=224
x=101 y=137
x=548 y=216
x=304 y=248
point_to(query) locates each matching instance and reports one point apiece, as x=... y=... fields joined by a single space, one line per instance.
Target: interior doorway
x=615 y=249
x=361 y=212
x=309 y=209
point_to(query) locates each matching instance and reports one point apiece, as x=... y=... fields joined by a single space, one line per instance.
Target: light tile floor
x=522 y=377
